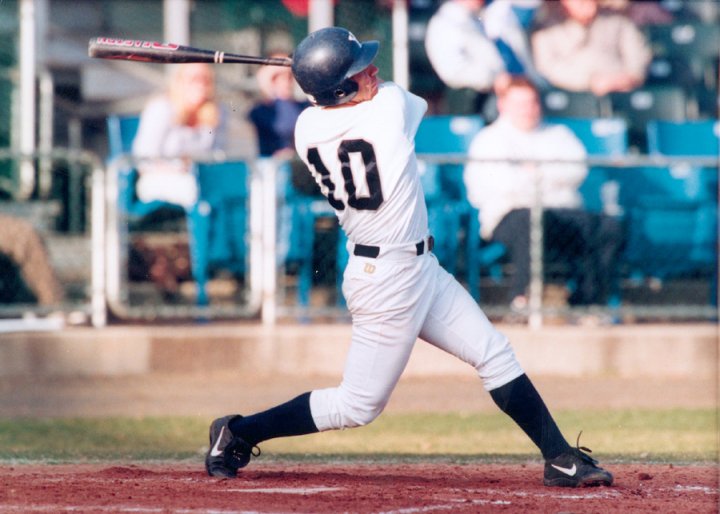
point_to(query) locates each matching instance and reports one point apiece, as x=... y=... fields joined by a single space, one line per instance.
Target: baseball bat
x=152 y=51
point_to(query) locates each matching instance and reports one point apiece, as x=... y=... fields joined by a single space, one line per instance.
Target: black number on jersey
x=372 y=176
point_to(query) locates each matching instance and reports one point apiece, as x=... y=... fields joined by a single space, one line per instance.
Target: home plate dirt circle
x=281 y=487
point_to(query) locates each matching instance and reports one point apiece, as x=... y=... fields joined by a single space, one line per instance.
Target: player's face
x=367 y=84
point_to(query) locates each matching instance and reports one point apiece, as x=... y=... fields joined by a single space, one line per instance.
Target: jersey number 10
x=348 y=146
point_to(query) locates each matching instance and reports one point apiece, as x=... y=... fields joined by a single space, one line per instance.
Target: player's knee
x=360 y=415
x=500 y=367
x=336 y=408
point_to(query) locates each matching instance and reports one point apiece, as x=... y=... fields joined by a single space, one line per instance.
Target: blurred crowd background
x=636 y=85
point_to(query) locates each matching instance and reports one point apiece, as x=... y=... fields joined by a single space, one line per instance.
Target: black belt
x=373 y=251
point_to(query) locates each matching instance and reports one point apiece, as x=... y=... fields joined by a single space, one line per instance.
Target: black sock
x=291 y=418
x=520 y=400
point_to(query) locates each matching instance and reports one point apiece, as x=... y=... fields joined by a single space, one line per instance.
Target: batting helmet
x=325 y=60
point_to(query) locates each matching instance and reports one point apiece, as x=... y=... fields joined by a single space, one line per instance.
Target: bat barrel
x=152 y=51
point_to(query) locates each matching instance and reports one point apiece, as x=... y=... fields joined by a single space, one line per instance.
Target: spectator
x=504 y=192
x=588 y=49
x=459 y=49
x=507 y=23
x=175 y=126
x=22 y=244
x=274 y=116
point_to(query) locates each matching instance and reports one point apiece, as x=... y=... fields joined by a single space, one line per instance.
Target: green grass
x=681 y=435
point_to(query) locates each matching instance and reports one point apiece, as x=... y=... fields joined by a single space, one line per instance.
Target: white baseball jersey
x=363 y=159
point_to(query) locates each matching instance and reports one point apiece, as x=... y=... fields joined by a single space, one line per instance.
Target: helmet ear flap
x=346 y=91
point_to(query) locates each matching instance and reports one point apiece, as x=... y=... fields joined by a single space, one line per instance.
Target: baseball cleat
x=575 y=468
x=227 y=452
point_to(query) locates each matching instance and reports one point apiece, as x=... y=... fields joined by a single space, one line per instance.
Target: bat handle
x=278 y=61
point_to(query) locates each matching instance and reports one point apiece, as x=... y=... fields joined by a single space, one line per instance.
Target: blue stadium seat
x=651 y=102
x=686 y=206
x=451 y=217
x=602 y=137
x=672 y=210
x=217 y=223
x=695 y=43
x=686 y=40
x=447 y=134
x=685 y=138
x=298 y=217
x=668 y=235
x=606 y=137
x=572 y=104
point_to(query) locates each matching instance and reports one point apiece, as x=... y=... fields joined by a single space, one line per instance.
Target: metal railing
x=264 y=296
x=536 y=311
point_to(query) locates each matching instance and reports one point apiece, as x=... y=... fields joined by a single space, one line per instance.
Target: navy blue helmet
x=325 y=60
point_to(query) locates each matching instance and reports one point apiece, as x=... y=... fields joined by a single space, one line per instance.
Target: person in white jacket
x=461 y=52
x=518 y=160
x=508 y=23
x=459 y=49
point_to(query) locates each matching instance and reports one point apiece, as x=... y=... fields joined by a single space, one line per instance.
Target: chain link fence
x=293 y=249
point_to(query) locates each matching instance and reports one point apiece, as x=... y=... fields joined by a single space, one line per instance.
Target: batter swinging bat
x=152 y=51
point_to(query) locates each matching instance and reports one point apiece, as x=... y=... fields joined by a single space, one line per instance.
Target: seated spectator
x=274 y=116
x=22 y=244
x=175 y=126
x=504 y=193
x=589 y=49
x=459 y=49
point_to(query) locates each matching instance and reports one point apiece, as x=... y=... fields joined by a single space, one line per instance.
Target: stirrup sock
x=520 y=400
x=288 y=419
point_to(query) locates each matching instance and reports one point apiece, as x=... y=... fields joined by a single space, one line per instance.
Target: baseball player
x=358 y=141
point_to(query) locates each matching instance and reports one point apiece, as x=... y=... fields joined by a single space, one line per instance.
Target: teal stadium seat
x=217 y=223
x=673 y=209
x=559 y=103
x=601 y=137
x=688 y=52
x=300 y=209
x=687 y=138
x=650 y=102
x=451 y=217
x=691 y=40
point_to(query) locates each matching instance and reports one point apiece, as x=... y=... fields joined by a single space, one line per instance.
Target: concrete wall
x=622 y=350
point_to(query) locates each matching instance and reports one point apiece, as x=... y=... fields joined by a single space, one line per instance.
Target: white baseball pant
x=394 y=299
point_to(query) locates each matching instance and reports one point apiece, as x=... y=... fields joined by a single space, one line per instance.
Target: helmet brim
x=368 y=52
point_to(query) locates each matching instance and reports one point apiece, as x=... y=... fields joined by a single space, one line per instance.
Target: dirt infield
x=342 y=487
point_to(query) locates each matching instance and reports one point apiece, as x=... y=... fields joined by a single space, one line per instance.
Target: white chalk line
x=696 y=488
x=285 y=490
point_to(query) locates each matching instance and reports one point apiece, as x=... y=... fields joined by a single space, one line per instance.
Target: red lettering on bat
x=137 y=43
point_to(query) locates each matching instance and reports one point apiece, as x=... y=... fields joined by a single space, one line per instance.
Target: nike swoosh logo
x=216 y=451
x=568 y=471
